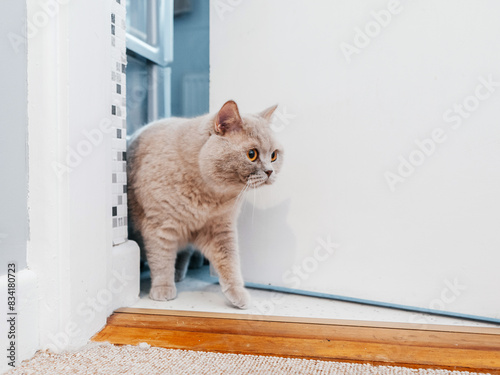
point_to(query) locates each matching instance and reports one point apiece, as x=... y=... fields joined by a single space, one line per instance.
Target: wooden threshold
x=410 y=345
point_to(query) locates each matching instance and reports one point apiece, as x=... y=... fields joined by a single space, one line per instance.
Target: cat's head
x=241 y=149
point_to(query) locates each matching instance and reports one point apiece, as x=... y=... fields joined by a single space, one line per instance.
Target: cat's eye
x=274 y=155
x=252 y=154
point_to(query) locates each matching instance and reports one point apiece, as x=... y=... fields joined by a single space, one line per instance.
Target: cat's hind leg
x=197 y=260
x=182 y=262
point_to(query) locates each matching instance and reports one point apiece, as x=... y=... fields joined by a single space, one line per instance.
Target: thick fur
x=186 y=177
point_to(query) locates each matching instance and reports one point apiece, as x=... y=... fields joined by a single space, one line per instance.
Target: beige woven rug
x=143 y=359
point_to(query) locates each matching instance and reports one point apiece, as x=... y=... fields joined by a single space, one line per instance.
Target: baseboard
x=26 y=318
x=125 y=267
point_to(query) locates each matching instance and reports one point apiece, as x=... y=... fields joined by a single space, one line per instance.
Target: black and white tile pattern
x=118 y=112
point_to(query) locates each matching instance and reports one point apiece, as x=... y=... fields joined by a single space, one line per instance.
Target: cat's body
x=185 y=178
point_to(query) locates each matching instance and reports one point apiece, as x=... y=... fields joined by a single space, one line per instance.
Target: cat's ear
x=228 y=119
x=268 y=113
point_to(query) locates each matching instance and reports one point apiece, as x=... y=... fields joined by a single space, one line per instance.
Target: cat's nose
x=268 y=172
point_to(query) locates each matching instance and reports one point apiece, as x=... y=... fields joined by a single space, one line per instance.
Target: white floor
x=199 y=293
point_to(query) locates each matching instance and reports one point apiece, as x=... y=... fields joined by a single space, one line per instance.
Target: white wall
x=57 y=61
x=82 y=277
x=19 y=329
x=13 y=125
x=424 y=236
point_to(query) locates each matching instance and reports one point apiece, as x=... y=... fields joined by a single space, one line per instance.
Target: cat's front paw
x=162 y=293
x=238 y=296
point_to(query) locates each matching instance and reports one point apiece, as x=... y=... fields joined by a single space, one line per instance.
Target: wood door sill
x=409 y=345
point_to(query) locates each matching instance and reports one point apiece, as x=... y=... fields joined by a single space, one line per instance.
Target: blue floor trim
x=369 y=302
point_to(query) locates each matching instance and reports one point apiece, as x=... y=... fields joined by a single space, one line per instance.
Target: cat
x=186 y=178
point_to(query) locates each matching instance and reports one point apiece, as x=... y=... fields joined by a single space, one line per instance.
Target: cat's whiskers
x=241 y=195
x=253 y=206
x=247 y=186
x=255 y=181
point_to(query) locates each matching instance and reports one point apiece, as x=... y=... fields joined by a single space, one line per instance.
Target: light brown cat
x=186 y=177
